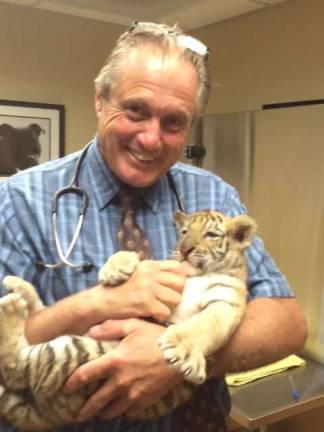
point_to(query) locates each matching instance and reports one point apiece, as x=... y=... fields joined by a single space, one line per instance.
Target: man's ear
x=98 y=104
x=243 y=229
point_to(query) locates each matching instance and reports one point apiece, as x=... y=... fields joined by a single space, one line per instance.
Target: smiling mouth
x=142 y=157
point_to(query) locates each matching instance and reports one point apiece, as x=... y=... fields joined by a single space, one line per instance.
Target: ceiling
x=189 y=14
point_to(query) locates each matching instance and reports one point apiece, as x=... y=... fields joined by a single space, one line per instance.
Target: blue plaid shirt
x=26 y=235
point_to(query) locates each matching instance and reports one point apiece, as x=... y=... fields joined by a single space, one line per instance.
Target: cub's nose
x=186 y=249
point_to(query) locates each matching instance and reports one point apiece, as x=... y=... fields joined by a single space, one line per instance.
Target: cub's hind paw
x=15 y=284
x=181 y=354
x=118 y=268
x=12 y=306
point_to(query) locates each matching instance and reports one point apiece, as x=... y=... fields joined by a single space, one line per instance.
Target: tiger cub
x=211 y=247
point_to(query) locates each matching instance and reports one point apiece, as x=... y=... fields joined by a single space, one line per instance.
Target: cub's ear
x=180 y=218
x=243 y=229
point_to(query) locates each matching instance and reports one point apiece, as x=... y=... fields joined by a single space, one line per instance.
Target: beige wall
x=52 y=58
x=272 y=55
x=269 y=56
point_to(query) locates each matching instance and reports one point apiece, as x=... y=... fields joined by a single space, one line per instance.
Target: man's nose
x=150 y=136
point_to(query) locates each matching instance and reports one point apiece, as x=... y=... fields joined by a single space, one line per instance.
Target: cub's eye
x=211 y=234
x=184 y=231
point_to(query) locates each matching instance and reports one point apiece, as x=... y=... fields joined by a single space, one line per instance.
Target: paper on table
x=241 y=378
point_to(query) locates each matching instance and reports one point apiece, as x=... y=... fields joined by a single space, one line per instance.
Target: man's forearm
x=74 y=314
x=58 y=319
x=272 y=328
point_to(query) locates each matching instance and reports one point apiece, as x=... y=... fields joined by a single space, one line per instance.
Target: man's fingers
x=92 y=371
x=172 y=280
x=168 y=297
x=98 y=401
x=115 y=329
x=163 y=265
x=116 y=407
x=171 y=266
x=160 y=312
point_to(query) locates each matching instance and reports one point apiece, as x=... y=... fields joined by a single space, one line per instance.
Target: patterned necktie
x=204 y=411
x=130 y=236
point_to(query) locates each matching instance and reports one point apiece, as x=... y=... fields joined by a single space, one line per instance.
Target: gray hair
x=170 y=40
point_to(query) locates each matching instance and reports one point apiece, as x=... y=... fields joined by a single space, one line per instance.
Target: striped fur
x=34 y=375
x=210 y=244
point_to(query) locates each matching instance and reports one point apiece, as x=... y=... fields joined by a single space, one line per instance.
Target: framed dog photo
x=30 y=133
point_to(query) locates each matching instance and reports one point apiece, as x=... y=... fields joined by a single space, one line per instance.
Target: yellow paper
x=241 y=378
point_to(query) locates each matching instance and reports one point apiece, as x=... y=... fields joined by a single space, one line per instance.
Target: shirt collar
x=104 y=185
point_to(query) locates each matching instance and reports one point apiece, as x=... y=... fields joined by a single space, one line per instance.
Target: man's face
x=143 y=126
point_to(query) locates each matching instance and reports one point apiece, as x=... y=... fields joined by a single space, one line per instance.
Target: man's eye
x=174 y=123
x=135 y=112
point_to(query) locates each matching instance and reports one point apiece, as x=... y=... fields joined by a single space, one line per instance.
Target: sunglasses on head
x=185 y=41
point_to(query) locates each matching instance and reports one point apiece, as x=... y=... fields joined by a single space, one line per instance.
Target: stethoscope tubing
x=73 y=188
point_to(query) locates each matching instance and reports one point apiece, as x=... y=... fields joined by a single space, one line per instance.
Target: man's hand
x=153 y=290
x=135 y=372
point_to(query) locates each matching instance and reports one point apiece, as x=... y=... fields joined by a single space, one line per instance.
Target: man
x=148 y=94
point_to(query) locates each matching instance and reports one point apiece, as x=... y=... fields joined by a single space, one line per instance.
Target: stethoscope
x=74 y=188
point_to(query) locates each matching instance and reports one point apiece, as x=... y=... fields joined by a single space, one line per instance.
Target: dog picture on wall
x=20 y=147
x=30 y=133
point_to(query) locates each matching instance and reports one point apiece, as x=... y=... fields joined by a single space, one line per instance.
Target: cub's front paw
x=12 y=306
x=179 y=351
x=15 y=284
x=118 y=268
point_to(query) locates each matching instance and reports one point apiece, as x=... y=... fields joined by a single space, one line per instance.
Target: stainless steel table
x=268 y=400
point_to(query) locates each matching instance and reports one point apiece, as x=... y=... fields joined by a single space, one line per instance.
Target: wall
x=268 y=56
x=272 y=55
x=52 y=58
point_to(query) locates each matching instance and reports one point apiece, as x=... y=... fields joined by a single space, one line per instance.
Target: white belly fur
x=202 y=290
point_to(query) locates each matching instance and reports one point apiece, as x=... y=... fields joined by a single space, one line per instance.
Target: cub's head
x=210 y=241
